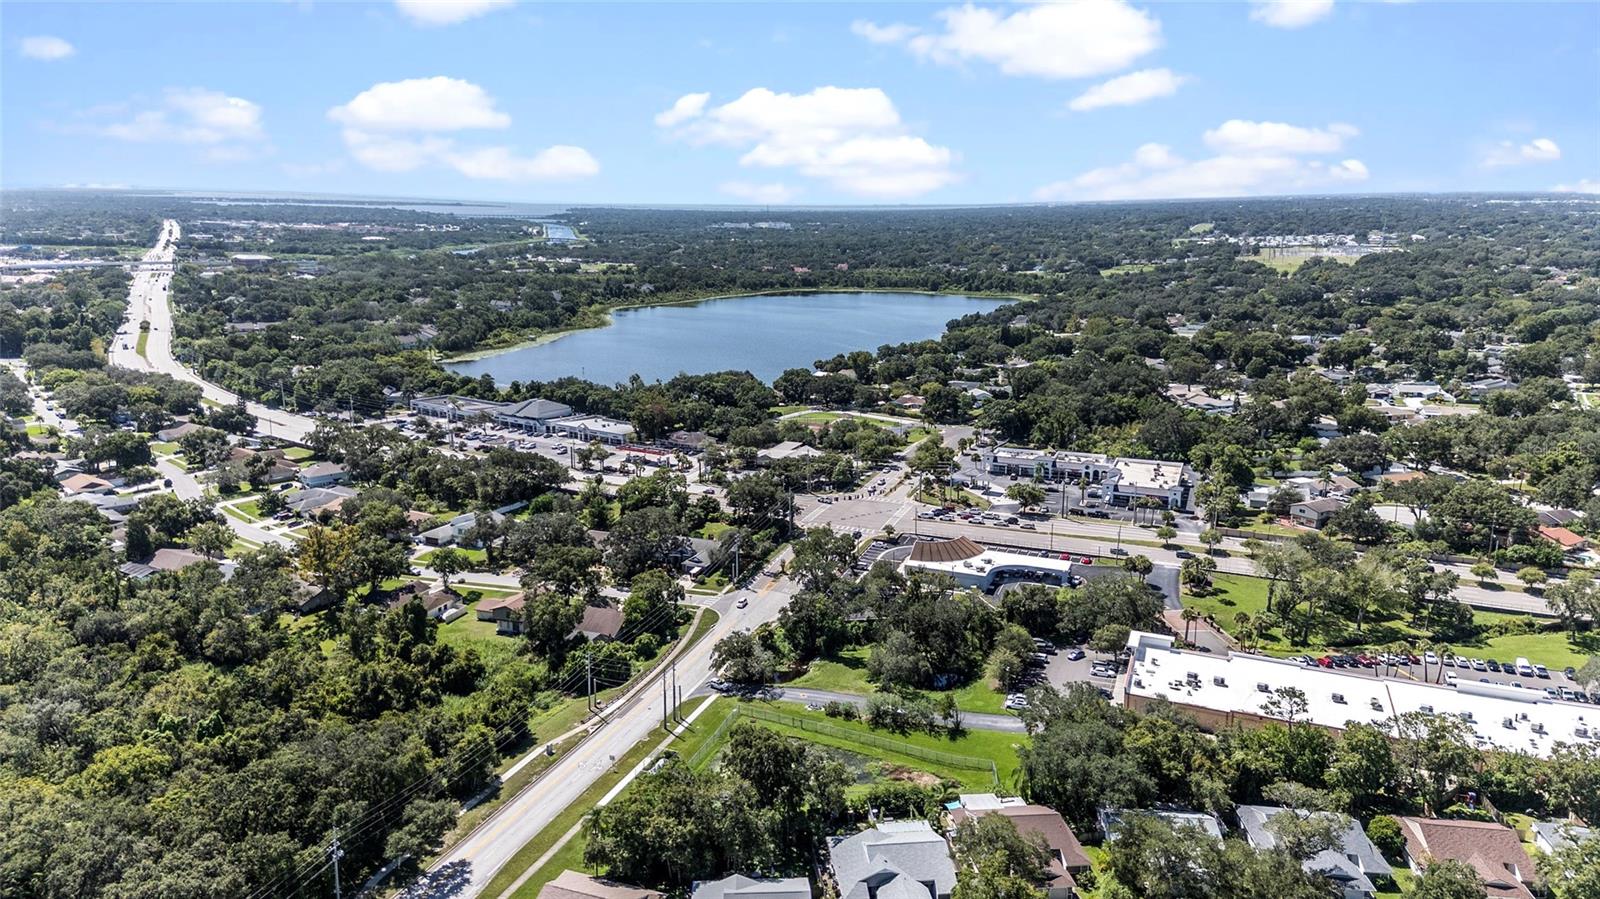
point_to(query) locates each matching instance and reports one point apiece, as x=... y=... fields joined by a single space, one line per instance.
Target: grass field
x=296 y=453
x=1126 y=270
x=475 y=556
x=144 y=340
x=1550 y=646
x=163 y=449
x=846 y=672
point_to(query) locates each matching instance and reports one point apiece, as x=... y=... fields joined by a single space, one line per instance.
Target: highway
x=466 y=868
x=150 y=300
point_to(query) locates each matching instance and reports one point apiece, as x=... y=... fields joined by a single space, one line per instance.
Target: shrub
x=839 y=709
x=1384 y=832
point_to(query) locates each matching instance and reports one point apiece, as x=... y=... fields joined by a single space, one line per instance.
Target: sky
x=802 y=103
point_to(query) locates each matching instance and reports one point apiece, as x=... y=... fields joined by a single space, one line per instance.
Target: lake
x=763 y=335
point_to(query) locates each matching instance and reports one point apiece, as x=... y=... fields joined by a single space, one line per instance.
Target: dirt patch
x=910 y=775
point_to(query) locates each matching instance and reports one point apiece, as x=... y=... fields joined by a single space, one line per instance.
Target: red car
x=1325 y=662
x=1086 y=560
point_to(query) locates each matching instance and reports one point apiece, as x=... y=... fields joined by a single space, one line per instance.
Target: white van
x=1523 y=668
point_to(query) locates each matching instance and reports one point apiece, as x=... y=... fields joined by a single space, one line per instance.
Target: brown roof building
x=1066 y=853
x=1492 y=850
x=945 y=550
x=572 y=885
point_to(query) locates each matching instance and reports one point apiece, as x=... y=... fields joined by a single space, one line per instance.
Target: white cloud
x=228 y=128
x=767 y=193
x=1254 y=160
x=447 y=12
x=1075 y=39
x=401 y=126
x=1241 y=137
x=1129 y=89
x=882 y=34
x=1290 y=13
x=1582 y=186
x=687 y=107
x=47 y=48
x=559 y=162
x=1506 y=153
x=850 y=138
x=421 y=104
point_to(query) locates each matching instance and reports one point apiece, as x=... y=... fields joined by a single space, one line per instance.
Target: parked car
x=1074 y=654
x=1184 y=554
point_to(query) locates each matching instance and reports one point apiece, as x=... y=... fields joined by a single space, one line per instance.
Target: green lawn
x=1126 y=269
x=713 y=530
x=144 y=340
x=475 y=556
x=846 y=672
x=816 y=418
x=467 y=631
x=163 y=449
x=296 y=453
x=1550 y=646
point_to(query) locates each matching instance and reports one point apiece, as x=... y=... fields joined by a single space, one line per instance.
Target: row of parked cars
x=1519 y=668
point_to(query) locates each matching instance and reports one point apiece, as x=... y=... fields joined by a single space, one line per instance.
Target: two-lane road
x=466 y=868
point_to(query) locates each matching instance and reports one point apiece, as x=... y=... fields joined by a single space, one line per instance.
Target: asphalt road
x=974 y=720
x=466 y=868
x=149 y=300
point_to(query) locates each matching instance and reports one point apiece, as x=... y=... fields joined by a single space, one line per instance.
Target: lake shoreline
x=547 y=337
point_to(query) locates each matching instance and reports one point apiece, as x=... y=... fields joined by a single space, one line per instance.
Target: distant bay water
x=763 y=335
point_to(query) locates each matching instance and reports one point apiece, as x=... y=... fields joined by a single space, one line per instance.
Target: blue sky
x=802 y=103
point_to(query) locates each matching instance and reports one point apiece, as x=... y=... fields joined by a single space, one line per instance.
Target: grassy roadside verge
x=554 y=722
x=144 y=340
x=575 y=812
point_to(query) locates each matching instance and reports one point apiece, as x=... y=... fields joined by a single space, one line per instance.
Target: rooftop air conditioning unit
x=1263 y=687
x=1339 y=698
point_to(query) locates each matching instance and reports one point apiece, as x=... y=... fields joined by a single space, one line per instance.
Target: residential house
x=1111 y=820
x=910 y=402
x=1326 y=428
x=1350 y=864
x=1567 y=540
x=80 y=484
x=1558 y=518
x=696 y=556
x=1314 y=513
x=895 y=860
x=572 y=885
x=1492 y=850
x=177 y=432
x=171 y=560
x=533 y=416
x=1553 y=836
x=1482 y=387
x=505 y=612
x=455 y=529
x=314 y=500
x=324 y=474
x=599 y=623
x=739 y=886
x=1067 y=857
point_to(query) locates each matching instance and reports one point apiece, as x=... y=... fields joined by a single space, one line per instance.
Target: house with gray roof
x=453 y=530
x=1554 y=836
x=1350 y=865
x=895 y=860
x=741 y=887
x=305 y=502
x=1111 y=820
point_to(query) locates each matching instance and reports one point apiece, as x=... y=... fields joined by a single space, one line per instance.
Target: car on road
x=1029 y=526
x=1184 y=554
x=1016 y=702
x=743 y=601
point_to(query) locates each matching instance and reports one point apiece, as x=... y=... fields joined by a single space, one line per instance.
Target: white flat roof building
x=1218 y=690
x=975 y=566
x=592 y=427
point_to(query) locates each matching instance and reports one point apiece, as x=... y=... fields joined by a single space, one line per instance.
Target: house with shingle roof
x=1492 y=850
x=1350 y=865
x=572 y=885
x=739 y=886
x=895 y=860
x=1066 y=853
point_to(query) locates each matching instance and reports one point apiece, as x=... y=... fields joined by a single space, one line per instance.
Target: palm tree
x=1242 y=625
x=1189 y=616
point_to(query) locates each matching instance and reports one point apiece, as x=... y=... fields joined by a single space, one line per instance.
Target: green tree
x=448 y=562
x=1573 y=872
x=741 y=658
x=1532 y=576
x=210 y=539
x=1448 y=879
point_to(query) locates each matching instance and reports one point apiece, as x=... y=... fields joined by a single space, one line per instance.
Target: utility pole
x=664 y=725
x=335 y=853
x=676 y=701
x=588 y=677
